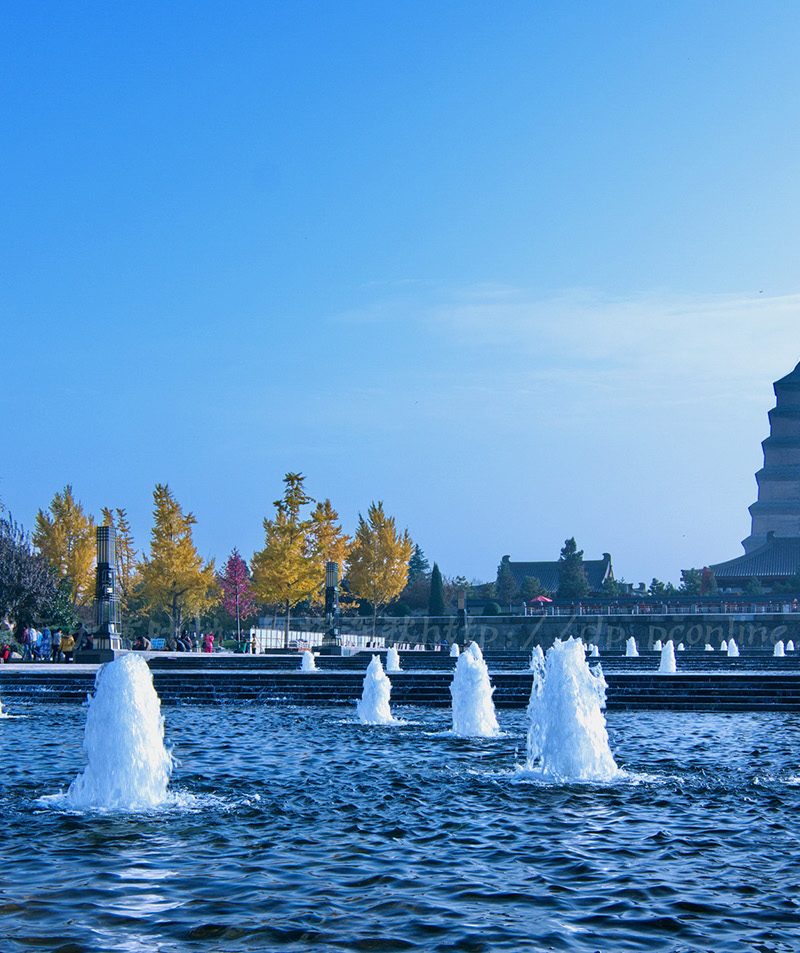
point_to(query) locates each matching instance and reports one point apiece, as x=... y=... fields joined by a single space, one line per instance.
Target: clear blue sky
x=522 y=270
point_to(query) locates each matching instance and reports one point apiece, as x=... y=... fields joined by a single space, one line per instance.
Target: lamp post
x=331 y=603
x=106 y=604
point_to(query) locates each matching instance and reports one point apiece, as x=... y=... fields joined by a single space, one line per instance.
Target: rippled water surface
x=296 y=829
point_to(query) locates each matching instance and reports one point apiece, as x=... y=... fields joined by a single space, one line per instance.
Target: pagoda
x=772 y=550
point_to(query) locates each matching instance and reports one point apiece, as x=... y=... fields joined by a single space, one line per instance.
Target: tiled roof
x=792 y=379
x=778 y=558
x=597 y=571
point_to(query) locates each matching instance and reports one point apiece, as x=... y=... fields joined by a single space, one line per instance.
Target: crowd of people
x=58 y=645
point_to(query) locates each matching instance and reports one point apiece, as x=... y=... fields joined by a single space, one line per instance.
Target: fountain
x=733 y=649
x=473 y=709
x=708 y=647
x=454 y=650
x=657 y=646
x=790 y=646
x=373 y=709
x=595 y=651
x=128 y=766
x=667 y=665
x=537 y=658
x=631 y=651
x=567 y=738
x=723 y=646
x=779 y=651
x=393 y=660
x=307 y=663
x=681 y=647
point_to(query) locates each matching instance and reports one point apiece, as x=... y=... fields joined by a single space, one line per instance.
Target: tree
x=174 y=578
x=753 y=587
x=237 y=596
x=708 y=582
x=572 y=581
x=286 y=571
x=379 y=559
x=65 y=536
x=436 y=606
x=691 y=580
x=790 y=586
x=126 y=555
x=60 y=612
x=531 y=588
x=418 y=566
x=28 y=584
x=506 y=587
x=328 y=544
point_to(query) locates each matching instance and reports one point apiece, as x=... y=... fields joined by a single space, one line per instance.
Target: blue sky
x=522 y=270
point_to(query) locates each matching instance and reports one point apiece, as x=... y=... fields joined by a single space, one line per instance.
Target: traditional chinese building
x=772 y=550
x=598 y=571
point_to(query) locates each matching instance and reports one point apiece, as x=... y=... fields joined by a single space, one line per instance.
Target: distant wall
x=760 y=631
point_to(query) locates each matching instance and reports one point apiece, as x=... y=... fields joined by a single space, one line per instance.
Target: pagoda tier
x=777 y=510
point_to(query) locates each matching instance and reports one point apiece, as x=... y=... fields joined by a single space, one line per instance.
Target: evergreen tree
x=286 y=571
x=436 y=606
x=531 y=588
x=174 y=578
x=379 y=559
x=753 y=587
x=237 y=596
x=65 y=536
x=418 y=566
x=28 y=584
x=506 y=587
x=60 y=613
x=572 y=582
x=691 y=580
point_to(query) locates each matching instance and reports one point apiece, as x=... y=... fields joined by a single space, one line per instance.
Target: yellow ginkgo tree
x=174 y=578
x=65 y=536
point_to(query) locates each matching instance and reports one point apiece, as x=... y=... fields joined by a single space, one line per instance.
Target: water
x=595 y=653
x=307 y=663
x=567 y=738
x=374 y=709
x=667 y=664
x=723 y=646
x=733 y=649
x=311 y=833
x=779 y=650
x=128 y=768
x=631 y=651
x=708 y=648
x=790 y=646
x=537 y=659
x=393 y=660
x=454 y=650
x=657 y=645
x=473 y=709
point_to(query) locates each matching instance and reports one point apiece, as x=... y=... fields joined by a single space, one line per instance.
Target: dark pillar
x=106 y=604
x=331 y=603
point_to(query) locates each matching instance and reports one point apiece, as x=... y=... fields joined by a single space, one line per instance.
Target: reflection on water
x=309 y=832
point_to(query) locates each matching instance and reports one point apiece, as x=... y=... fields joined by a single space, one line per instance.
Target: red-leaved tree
x=237 y=596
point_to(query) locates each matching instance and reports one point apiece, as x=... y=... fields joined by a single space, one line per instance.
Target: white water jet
x=790 y=646
x=567 y=738
x=307 y=663
x=779 y=651
x=723 y=646
x=537 y=658
x=631 y=650
x=595 y=651
x=455 y=651
x=393 y=660
x=681 y=647
x=128 y=766
x=733 y=649
x=657 y=646
x=709 y=648
x=374 y=708
x=667 y=665
x=473 y=709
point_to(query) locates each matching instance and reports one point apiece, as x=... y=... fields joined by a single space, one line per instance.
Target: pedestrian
x=46 y=645
x=57 y=645
x=68 y=646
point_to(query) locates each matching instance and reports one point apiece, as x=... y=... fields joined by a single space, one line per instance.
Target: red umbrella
x=541 y=599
